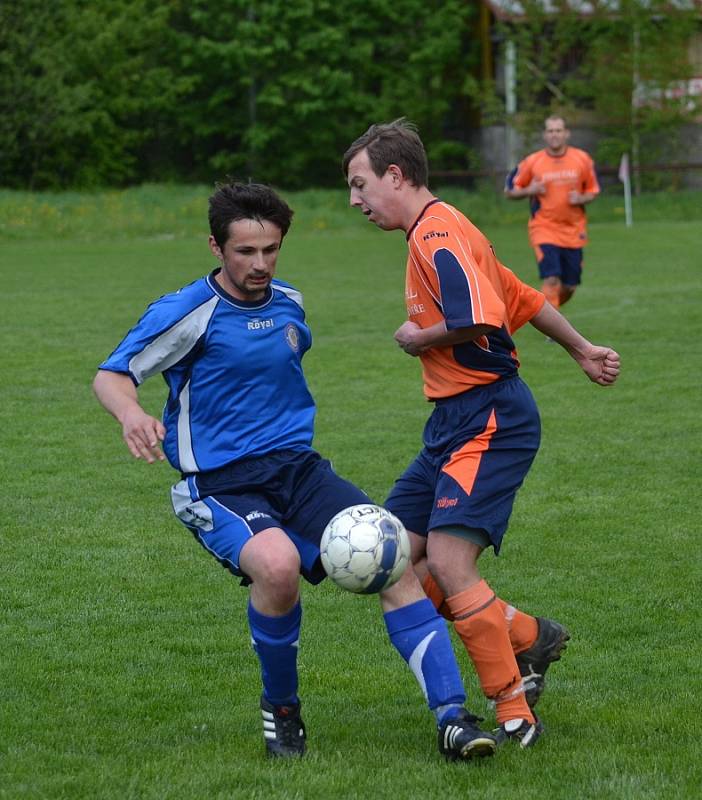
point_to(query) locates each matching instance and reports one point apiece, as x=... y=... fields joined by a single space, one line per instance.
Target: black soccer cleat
x=533 y=663
x=460 y=738
x=283 y=730
x=519 y=730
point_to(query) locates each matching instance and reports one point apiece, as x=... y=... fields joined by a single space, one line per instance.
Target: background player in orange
x=456 y=497
x=559 y=180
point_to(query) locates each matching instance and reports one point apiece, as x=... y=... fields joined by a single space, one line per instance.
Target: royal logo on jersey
x=292 y=337
x=446 y=502
x=260 y=324
x=435 y=235
x=252 y=515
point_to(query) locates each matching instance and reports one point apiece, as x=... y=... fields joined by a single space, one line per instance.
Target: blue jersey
x=233 y=369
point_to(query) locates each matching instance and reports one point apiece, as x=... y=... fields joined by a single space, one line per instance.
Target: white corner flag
x=625 y=178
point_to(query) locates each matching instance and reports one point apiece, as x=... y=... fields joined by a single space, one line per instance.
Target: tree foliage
x=82 y=89
x=118 y=91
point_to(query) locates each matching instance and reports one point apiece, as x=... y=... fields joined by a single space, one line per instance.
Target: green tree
x=82 y=90
x=117 y=91
x=281 y=88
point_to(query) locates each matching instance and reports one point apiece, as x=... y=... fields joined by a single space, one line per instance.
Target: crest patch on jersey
x=292 y=337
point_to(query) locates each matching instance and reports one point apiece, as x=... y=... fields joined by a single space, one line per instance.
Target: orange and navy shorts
x=478 y=448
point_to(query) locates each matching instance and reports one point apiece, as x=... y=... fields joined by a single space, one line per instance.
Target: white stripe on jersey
x=288 y=291
x=174 y=343
x=186 y=456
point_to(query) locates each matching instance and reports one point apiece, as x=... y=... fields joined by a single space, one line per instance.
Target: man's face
x=556 y=136
x=248 y=258
x=376 y=197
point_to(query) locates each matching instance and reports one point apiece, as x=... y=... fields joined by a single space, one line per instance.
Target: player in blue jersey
x=238 y=426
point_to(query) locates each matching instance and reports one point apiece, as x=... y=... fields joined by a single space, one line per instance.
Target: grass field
x=126 y=670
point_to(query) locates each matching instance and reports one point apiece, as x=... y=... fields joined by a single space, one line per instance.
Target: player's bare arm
x=141 y=432
x=415 y=340
x=535 y=187
x=600 y=364
x=576 y=198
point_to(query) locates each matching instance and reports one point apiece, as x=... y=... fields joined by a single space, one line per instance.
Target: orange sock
x=552 y=294
x=523 y=628
x=480 y=622
x=564 y=296
x=432 y=591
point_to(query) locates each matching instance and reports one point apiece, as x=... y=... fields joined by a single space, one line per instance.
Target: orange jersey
x=553 y=219
x=453 y=276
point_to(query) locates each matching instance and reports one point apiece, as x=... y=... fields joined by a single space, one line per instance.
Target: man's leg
x=421 y=637
x=480 y=622
x=552 y=289
x=272 y=563
x=548 y=260
x=571 y=272
x=566 y=293
x=522 y=627
x=418 y=633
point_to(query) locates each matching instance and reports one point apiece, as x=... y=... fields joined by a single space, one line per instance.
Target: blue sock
x=421 y=637
x=275 y=640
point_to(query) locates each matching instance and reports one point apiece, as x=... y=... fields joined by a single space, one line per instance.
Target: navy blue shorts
x=478 y=447
x=296 y=490
x=565 y=263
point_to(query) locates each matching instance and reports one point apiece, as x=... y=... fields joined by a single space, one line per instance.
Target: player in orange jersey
x=559 y=181
x=456 y=497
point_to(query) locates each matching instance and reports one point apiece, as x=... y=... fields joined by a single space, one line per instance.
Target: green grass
x=174 y=212
x=126 y=670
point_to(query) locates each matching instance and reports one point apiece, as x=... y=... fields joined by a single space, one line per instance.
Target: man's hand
x=576 y=198
x=143 y=434
x=600 y=364
x=407 y=336
x=536 y=187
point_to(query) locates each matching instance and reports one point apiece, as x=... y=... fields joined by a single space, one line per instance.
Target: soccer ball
x=365 y=549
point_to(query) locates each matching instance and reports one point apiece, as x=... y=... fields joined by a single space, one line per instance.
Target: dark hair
x=234 y=201
x=388 y=143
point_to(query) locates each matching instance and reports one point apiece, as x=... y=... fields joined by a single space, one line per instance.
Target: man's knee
x=552 y=282
x=452 y=561
x=270 y=559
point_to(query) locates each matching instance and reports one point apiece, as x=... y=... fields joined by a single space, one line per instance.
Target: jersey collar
x=421 y=214
x=550 y=155
x=243 y=304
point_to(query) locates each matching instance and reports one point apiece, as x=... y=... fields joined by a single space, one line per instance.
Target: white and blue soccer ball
x=365 y=549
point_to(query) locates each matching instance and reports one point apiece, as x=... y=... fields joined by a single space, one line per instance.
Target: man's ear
x=215 y=248
x=395 y=174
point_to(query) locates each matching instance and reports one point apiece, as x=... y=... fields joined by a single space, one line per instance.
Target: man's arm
x=414 y=340
x=576 y=198
x=141 y=432
x=535 y=187
x=600 y=364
